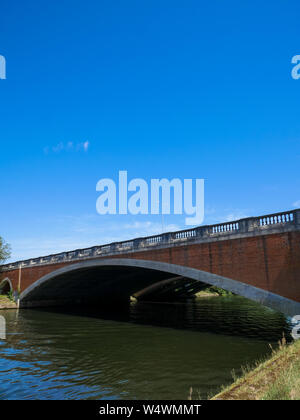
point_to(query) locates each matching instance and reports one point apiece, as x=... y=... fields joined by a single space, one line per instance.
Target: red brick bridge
x=256 y=257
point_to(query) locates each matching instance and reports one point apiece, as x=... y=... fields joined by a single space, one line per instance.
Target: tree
x=4 y=250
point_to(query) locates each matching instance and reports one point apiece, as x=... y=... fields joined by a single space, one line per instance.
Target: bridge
x=256 y=257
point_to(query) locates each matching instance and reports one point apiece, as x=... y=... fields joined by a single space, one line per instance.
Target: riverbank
x=213 y=291
x=205 y=293
x=6 y=303
x=278 y=378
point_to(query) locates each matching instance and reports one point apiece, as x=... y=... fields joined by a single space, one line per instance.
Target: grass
x=277 y=378
x=6 y=301
x=286 y=385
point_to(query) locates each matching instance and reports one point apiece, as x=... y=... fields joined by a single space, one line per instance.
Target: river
x=135 y=351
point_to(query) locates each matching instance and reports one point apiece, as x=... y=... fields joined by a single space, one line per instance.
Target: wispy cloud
x=76 y=232
x=67 y=147
x=213 y=215
x=236 y=215
x=151 y=228
x=69 y=232
x=86 y=145
x=297 y=203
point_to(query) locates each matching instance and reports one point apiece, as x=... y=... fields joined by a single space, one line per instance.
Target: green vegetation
x=7 y=302
x=287 y=384
x=10 y=296
x=278 y=378
x=4 y=250
x=220 y=292
x=213 y=291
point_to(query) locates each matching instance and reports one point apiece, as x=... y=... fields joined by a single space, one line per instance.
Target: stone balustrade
x=270 y=223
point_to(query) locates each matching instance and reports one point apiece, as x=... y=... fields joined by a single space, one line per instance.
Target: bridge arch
x=87 y=276
x=5 y=286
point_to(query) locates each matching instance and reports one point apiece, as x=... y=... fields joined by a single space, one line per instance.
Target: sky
x=161 y=89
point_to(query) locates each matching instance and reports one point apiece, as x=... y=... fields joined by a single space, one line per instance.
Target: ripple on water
x=141 y=351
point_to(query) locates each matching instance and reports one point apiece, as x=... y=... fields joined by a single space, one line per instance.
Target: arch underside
x=5 y=286
x=118 y=279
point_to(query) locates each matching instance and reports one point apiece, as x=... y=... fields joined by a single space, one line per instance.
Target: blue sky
x=169 y=89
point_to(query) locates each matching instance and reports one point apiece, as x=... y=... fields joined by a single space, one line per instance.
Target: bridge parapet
x=251 y=226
